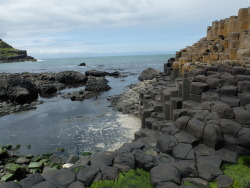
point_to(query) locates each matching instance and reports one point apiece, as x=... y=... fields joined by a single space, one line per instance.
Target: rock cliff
x=227 y=43
x=10 y=54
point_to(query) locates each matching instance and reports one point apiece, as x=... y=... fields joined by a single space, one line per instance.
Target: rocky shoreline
x=20 y=91
x=195 y=116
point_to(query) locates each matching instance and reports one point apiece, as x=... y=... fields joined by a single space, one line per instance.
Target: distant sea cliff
x=9 y=54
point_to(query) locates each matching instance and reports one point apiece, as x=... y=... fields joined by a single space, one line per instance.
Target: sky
x=78 y=28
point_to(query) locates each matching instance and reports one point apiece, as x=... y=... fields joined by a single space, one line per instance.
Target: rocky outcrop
x=71 y=78
x=9 y=54
x=97 y=84
x=227 y=43
x=148 y=74
x=97 y=73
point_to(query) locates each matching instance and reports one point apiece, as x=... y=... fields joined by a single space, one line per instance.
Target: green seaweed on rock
x=131 y=179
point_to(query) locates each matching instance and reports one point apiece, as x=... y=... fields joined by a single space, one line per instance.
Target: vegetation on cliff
x=10 y=54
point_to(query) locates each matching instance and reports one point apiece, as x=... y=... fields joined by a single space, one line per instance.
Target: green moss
x=239 y=172
x=77 y=169
x=131 y=179
x=213 y=184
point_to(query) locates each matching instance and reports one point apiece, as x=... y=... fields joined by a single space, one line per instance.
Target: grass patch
x=239 y=172
x=131 y=179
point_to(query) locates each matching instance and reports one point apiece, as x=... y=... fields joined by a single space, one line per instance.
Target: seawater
x=77 y=126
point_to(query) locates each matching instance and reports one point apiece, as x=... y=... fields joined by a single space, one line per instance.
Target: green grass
x=131 y=179
x=240 y=172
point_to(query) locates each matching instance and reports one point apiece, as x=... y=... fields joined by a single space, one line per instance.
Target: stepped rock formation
x=227 y=43
x=10 y=54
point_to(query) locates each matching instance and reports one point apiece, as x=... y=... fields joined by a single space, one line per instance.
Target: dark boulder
x=21 y=90
x=102 y=159
x=97 y=84
x=148 y=74
x=145 y=161
x=31 y=180
x=109 y=173
x=3 y=90
x=115 y=74
x=96 y=73
x=61 y=177
x=87 y=175
x=82 y=64
x=164 y=173
x=71 y=78
x=47 y=90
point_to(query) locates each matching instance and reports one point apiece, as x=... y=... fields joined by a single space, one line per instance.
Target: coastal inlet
x=77 y=126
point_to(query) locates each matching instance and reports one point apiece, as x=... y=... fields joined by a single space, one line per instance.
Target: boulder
x=241 y=115
x=148 y=74
x=114 y=74
x=109 y=173
x=61 y=177
x=31 y=180
x=243 y=138
x=164 y=173
x=71 y=78
x=82 y=64
x=97 y=84
x=102 y=159
x=3 y=90
x=76 y=184
x=224 y=181
x=124 y=162
x=230 y=127
x=210 y=96
x=203 y=150
x=223 y=110
x=187 y=168
x=198 y=87
x=181 y=122
x=47 y=90
x=96 y=73
x=213 y=82
x=21 y=90
x=183 y=151
x=227 y=156
x=212 y=160
x=145 y=161
x=44 y=184
x=166 y=143
x=213 y=136
x=208 y=172
x=9 y=185
x=196 y=128
x=229 y=90
x=184 y=137
x=88 y=174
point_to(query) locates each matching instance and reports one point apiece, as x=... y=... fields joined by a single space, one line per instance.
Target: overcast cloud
x=62 y=28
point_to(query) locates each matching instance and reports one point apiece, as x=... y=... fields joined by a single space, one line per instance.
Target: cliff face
x=10 y=54
x=227 y=42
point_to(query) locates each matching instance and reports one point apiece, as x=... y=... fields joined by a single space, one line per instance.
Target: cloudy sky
x=77 y=28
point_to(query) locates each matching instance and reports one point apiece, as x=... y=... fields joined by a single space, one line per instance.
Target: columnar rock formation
x=227 y=42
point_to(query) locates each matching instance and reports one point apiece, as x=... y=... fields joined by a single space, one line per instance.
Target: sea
x=76 y=126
